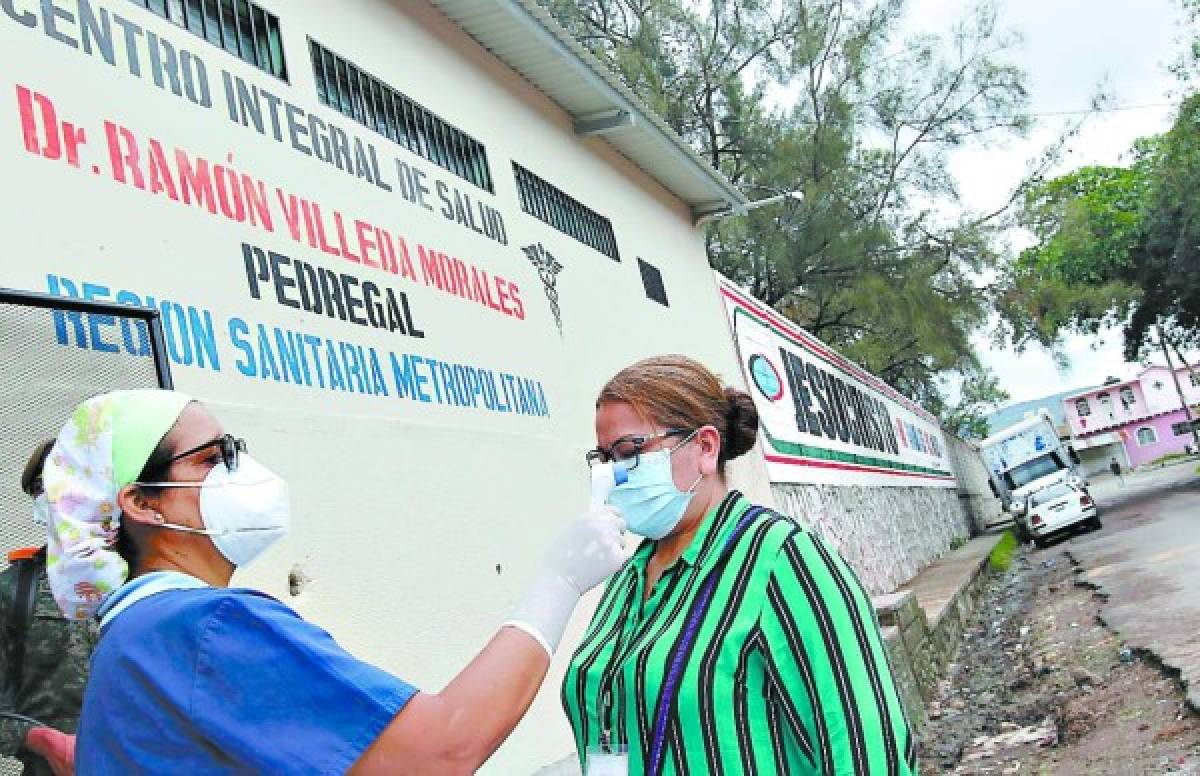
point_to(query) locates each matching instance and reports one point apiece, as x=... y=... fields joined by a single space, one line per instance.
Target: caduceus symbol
x=548 y=269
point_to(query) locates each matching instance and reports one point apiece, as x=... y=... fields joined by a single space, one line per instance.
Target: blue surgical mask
x=649 y=501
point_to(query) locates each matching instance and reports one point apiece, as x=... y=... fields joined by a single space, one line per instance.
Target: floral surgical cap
x=101 y=449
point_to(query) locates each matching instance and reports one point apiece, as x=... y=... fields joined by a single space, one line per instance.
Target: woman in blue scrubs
x=153 y=506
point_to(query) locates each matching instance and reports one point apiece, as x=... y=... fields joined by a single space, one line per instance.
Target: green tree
x=1118 y=245
x=1087 y=225
x=1166 y=269
x=825 y=97
x=1114 y=245
x=979 y=395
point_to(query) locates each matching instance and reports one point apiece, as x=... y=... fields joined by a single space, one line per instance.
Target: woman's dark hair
x=153 y=469
x=156 y=464
x=677 y=392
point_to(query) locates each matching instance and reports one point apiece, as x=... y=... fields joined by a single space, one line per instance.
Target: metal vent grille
x=548 y=203
x=54 y=355
x=344 y=87
x=244 y=29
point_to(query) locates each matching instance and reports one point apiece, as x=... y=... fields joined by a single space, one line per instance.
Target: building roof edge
x=524 y=36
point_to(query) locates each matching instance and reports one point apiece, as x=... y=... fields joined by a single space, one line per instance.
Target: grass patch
x=1002 y=554
x=957 y=542
x=1162 y=460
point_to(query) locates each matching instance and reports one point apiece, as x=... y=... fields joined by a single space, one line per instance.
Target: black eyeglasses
x=628 y=449
x=230 y=448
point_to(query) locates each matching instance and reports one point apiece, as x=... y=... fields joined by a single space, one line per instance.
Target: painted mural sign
x=823 y=418
x=326 y=259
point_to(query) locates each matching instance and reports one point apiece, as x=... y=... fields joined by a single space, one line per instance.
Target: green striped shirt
x=787 y=674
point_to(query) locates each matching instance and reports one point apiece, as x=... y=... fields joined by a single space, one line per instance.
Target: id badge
x=606 y=761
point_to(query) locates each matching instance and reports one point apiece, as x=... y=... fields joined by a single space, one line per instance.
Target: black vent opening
x=550 y=204
x=344 y=87
x=652 y=280
x=241 y=27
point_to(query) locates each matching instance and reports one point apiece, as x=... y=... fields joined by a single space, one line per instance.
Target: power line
x=1080 y=112
x=1084 y=111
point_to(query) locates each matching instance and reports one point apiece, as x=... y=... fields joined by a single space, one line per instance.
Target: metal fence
x=54 y=353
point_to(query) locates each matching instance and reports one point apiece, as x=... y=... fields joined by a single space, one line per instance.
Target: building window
x=1082 y=408
x=1105 y=402
x=1127 y=397
x=548 y=203
x=1195 y=378
x=345 y=88
x=240 y=27
x=652 y=281
x=1184 y=428
x=1146 y=436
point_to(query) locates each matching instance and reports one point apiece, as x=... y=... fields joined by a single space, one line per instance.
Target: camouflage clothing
x=57 y=653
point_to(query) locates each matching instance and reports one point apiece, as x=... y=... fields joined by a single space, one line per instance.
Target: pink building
x=1143 y=413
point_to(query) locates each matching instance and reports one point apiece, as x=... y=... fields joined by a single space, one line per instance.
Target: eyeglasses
x=229 y=446
x=628 y=449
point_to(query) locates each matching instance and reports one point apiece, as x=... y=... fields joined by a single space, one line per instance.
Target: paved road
x=1147 y=560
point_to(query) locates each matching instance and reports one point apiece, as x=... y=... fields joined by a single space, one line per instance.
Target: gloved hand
x=56 y=747
x=588 y=550
x=586 y=553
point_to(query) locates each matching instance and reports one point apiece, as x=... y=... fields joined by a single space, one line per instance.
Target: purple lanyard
x=675 y=668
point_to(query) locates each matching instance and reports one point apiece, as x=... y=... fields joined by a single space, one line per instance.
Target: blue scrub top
x=214 y=681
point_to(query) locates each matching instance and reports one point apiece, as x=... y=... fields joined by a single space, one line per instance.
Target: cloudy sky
x=1069 y=48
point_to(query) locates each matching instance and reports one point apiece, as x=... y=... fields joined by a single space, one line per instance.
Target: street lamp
x=741 y=210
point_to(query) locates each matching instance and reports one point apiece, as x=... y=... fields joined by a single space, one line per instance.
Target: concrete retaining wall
x=887 y=535
x=923 y=626
x=974 y=493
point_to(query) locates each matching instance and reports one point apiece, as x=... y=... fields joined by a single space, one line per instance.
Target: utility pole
x=1187 y=412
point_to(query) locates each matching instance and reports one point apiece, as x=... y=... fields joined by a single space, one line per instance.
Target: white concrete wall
x=889 y=534
x=1158 y=386
x=886 y=534
x=417 y=523
x=974 y=491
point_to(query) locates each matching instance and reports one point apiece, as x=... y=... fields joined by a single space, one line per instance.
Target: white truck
x=1026 y=457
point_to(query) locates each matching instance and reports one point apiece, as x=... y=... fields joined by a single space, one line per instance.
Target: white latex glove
x=586 y=553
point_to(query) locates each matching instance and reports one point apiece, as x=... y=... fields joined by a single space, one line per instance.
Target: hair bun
x=741 y=423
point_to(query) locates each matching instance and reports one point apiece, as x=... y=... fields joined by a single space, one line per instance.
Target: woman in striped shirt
x=733 y=641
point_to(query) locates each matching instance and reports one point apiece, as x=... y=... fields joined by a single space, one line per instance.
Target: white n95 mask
x=244 y=511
